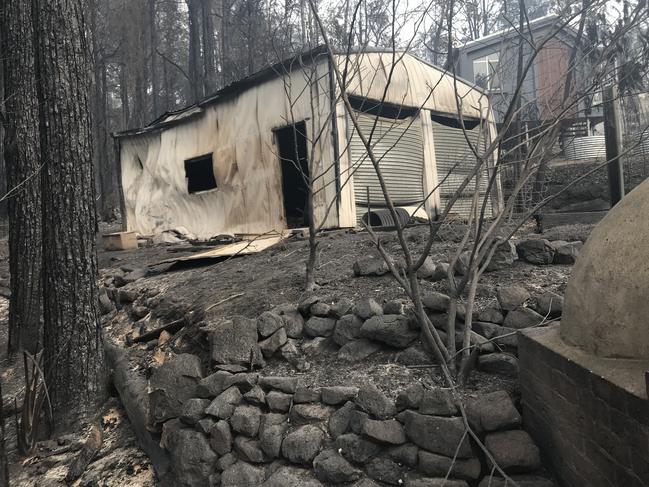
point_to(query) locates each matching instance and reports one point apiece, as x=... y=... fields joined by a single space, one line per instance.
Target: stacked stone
x=540 y=251
x=316 y=325
x=536 y=251
x=355 y=331
x=115 y=291
x=491 y=327
x=245 y=429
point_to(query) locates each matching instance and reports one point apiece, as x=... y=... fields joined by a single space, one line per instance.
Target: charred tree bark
x=108 y=176
x=138 y=101
x=209 y=47
x=3 y=170
x=4 y=464
x=21 y=151
x=123 y=96
x=107 y=202
x=195 y=58
x=73 y=349
x=153 y=41
x=225 y=46
x=166 y=85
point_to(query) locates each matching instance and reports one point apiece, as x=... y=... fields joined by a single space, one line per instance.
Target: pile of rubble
x=247 y=429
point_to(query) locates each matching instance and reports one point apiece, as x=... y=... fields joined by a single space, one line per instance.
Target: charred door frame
x=290 y=196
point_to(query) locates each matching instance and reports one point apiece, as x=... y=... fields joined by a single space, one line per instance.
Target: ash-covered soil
x=249 y=285
x=276 y=276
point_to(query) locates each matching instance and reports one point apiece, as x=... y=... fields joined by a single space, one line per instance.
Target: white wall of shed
x=239 y=133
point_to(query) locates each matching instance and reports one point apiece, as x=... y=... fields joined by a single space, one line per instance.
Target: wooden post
x=613 y=144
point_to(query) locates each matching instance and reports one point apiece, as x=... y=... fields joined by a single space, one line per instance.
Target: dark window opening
x=199 y=173
x=292 y=148
x=378 y=109
x=456 y=123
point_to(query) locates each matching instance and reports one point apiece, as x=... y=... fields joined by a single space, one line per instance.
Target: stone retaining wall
x=590 y=193
x=222 y=421
x=246 y=429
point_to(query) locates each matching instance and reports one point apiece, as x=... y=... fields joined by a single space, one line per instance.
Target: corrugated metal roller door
x=455 y=159
x=399 y=146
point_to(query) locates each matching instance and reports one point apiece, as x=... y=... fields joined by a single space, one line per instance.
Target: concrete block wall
x=592 y=427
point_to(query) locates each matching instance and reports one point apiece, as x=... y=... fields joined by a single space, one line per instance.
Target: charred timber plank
x=87 y=453
x=172 y=327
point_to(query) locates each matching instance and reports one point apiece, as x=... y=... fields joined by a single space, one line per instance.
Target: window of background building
x=486 y=72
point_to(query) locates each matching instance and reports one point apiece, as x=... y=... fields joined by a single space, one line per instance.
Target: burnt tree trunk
x=73 y=349
x=166 y=86
x=139 y=115
x=21 y=154
x=4 y=464
x=123 y=96
x=110 y=188
x=106 y=204
x=3 y=171
x=153 y=41
x=195 y=58
x=226 y=72
x=209 y=48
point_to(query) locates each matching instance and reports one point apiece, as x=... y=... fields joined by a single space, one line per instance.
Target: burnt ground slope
x=249 y=285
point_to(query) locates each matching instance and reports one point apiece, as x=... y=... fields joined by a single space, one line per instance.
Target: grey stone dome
x=606 y=308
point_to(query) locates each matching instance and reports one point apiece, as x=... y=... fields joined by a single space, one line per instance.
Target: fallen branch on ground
x=87 y=453
x=223 y=301
x=172 y=327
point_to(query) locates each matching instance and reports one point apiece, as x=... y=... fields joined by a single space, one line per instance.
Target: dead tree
x=73 y=349
x=303 y=80
x=153 y=53
x=209 y=47
x=21 y=148
x=195 y=57
x=4 y=464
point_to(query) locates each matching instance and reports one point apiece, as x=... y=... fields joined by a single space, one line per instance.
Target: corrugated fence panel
x=398 y=145
x=638 y=145
x=588 y=147
x=455 y=160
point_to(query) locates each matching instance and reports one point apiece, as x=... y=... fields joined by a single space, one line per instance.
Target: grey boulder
x=302 y=445
x=347 y=328
x=357 y=350
x=393 y=330
x=513 y=451
x=332 y=468
x=172 y=384
x=536 y=251
x=567 y=252
x=235 y=342
x=436 y=434
x=522 y=317
x=511 y=297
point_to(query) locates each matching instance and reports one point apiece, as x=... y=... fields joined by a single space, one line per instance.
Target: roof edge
x=267 y=73
x=498 y=36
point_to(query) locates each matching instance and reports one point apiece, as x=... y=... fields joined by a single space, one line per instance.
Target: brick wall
x=592 y=431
